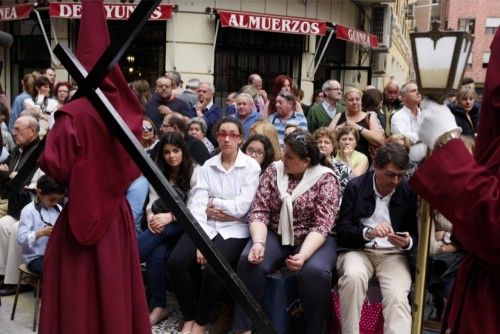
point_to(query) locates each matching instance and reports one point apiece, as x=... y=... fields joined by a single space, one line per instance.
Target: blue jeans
x=36 y=265
x=155 y=250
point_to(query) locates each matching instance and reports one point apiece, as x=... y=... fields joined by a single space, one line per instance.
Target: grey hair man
x=190 y=94
x=406 y=121
x=206 y=108
x=256 y=81
x=322 y=114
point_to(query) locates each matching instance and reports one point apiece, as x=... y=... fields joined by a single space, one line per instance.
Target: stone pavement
x=23 y=321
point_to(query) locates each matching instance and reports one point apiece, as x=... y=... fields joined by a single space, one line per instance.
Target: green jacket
x=318 y=117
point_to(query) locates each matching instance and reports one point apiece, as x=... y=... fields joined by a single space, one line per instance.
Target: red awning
x=114 y=11
x=15 y=12
x=271 y=23
x=356 y=36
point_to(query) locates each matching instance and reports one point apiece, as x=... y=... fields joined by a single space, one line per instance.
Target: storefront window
x=240 y=53
x=145 y=58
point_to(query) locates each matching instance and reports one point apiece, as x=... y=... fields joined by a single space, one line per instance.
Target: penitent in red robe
x=468 y=194
x=91 y=281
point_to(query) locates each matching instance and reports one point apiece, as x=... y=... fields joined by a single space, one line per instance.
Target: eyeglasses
x=163 y=86
x=231 y=135
x=251 y=151
x=147 y=128
x=18 y=129
x=331 y=88
x=392 y=175
x=62 y=91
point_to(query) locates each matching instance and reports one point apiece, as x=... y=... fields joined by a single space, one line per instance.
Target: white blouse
x=231 y=190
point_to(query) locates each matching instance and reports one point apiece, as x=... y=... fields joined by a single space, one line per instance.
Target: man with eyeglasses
x=322 y=114
x=25 y=134
x=163 y=102
x=406 y=121
x=377 y=229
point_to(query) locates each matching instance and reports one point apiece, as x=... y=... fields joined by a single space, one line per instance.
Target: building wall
x=482 y=9
x=191 y=51
x=190 y=36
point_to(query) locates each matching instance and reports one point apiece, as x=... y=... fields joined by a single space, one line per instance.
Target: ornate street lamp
x=439 y=58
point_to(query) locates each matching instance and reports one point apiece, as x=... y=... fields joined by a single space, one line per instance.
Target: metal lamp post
x=439 y=58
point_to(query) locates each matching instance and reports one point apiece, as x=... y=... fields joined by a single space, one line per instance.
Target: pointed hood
x=93 y=39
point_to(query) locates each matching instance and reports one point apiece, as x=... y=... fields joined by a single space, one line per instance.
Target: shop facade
x=217 y=41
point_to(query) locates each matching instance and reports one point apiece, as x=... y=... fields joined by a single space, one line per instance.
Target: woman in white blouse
x=220 y=200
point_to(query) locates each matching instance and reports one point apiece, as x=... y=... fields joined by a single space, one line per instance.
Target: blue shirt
x=17 y=108
x=31 y=221
x=297 y=118
x=247 y=123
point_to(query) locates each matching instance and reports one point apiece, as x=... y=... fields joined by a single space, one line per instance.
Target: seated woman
x=348 y=137
x=264 y=127
x=260 y=148
x=62 y=92
x=197 y=127
x=294 y=232
x=327 y=145
x=465 y=111
x=42 y=105
x=156 y=243
x=37 y=220
x=149 y=135
x=220 y=200
x=370 y=133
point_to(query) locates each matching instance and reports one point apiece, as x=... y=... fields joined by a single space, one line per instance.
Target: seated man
x=377 y=228
x=25 y=133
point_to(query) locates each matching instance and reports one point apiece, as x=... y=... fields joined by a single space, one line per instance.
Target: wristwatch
x=360 y=129
x=367 y=233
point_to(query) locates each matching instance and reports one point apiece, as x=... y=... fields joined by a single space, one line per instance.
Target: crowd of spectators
x=320 y=190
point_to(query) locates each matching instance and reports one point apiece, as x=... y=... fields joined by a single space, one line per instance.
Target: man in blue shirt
x=246 y=112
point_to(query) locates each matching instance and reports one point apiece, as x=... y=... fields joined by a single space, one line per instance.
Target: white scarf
x=309 y=179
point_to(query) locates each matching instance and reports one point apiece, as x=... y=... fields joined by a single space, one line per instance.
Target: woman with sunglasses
x=149 y=135
x=156 y=243
x=290 y=222
x=219 y=202
x=260 y=148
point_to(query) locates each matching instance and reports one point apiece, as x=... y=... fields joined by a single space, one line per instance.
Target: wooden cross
x=88 y=86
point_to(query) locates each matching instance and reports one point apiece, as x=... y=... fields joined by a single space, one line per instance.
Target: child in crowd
x=37 y=221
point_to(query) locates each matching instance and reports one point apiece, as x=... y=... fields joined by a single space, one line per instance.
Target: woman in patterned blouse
x=290 y=222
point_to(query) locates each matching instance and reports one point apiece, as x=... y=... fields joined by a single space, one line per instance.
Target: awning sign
x=19 y=12
x=281 y=24
x=72 y=10
x=356 y=36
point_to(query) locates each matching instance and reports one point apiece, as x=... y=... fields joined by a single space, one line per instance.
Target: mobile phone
x=401 y=234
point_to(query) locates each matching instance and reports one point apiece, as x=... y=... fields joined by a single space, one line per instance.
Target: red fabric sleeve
x=467 y=194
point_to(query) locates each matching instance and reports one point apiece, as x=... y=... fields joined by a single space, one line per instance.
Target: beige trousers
x=10 y=250
x=393 y=273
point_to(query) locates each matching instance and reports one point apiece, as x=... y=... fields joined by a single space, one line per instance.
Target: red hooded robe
x=91 y=280
x=467 y=191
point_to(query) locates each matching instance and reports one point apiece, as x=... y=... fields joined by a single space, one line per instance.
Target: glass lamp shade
x=440 y=58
